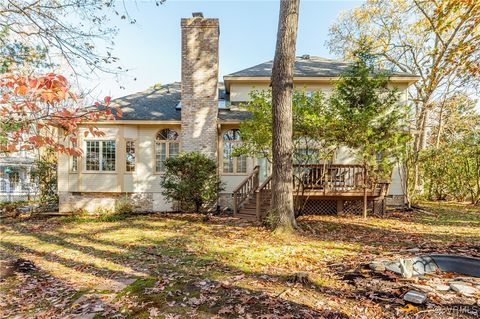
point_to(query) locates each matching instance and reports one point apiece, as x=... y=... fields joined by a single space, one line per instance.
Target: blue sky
x=150 y=49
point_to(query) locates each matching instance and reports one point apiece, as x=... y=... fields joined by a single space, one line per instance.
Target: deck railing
x=330 y=180
x=245 y=190
x=339 y=177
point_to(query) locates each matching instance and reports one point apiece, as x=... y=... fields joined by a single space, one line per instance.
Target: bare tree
x=282 y=89
x=64 y=32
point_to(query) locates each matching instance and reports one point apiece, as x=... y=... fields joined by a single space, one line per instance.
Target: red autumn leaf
x=39 y=103
x=37 y=140
x=11 y=148
x=21 y=90
x=32 y=82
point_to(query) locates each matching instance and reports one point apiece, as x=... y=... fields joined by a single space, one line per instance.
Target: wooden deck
x=316 y=183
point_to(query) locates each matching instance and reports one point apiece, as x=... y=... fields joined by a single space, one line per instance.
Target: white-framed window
x=130 y=157
x=74 y=164
x=100 y=156
x=230 y=164
x=74 y=160
x=167 y=144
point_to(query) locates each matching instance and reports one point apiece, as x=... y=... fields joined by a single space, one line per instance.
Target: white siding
x=396 y=187
x=239 y=92
x=344 y=155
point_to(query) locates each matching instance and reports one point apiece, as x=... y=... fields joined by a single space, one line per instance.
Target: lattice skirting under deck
x=320 y=207
x=329 y=207
x=354 y=207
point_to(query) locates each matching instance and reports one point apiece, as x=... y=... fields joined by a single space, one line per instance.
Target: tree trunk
x=420 y=144
x=282 y=89
x=440 y=128
x=365 y=199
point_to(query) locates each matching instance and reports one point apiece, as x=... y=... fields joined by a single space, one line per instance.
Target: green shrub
x=123 y=207
x=102 y=212
x=123 y=210
x=452 y=171
x=110 y=218
x=191 y=180
x=271 y=219
x=45 y=173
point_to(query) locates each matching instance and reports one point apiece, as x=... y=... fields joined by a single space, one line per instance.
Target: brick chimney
x=199 y=84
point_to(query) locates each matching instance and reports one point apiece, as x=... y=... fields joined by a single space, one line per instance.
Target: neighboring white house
x=198 y=114
x=16 y=180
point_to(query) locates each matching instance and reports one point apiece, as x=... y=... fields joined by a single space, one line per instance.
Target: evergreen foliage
x=191 y=181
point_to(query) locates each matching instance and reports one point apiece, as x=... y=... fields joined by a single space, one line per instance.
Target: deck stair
x=251 y=199
x=256 y=207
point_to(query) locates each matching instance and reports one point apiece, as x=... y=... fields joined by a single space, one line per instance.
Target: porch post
x=365 y=199
x=258 y=204
x=365 y=202
x=375 y=206
x=340 y=206
x=235 y=208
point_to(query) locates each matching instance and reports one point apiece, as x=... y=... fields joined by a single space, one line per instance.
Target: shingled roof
x=305 y=66
x=161 y=104
x=153 y=104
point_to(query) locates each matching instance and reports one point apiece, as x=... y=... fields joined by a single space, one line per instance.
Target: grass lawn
x=177 y=266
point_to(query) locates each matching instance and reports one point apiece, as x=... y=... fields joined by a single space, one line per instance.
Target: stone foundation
x=70 y=202
x=225 y=201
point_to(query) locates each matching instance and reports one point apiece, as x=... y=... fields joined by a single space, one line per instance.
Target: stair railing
x=245 y=190
x=263 y=196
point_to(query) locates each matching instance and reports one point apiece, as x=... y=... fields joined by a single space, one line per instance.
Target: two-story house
x=197 y=114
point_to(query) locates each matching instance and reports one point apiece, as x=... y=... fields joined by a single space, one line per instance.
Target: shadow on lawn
x=448 y=216
x=170 y=277
x=358 y=231
x=173 y=278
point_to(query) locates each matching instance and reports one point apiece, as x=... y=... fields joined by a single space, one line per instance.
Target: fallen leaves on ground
x=178 y=266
